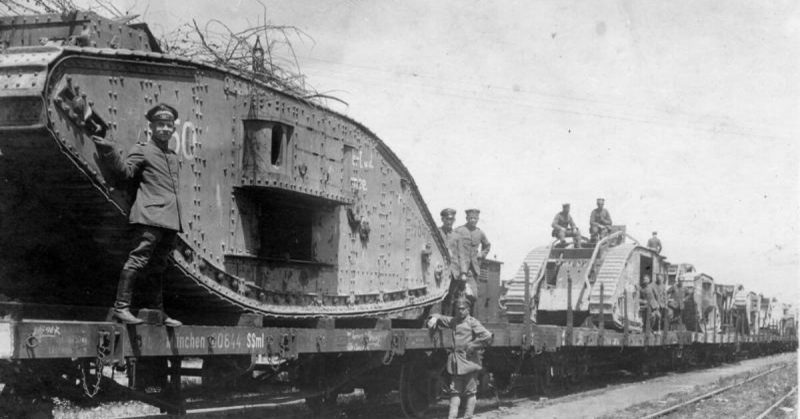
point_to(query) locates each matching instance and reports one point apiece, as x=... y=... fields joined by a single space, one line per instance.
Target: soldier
x=452 y=272
x=599 y=221
x=654 y=243
x=464 y=360
x=660 y=290
x=649 y=299
x=155 y=215
x=676 y=301
x=564 y=226
x=469 y=240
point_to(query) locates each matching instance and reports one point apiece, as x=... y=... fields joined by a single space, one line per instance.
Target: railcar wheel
x=420 y=383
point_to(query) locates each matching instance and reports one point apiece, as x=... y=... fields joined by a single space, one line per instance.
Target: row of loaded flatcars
x=616 y=275
x=308 y=259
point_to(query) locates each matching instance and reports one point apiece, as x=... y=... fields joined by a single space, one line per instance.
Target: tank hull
x=289 y=209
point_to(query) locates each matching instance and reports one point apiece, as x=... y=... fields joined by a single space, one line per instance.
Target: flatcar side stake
x=602 y=334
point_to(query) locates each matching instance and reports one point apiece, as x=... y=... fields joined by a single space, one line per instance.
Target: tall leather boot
x=469 y=410
x=122 y=312
x=157 y=290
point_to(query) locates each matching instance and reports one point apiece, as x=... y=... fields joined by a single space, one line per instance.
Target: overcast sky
x=682 y=114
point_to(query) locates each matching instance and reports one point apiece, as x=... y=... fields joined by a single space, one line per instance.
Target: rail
x=776 y=404
x=709 y=394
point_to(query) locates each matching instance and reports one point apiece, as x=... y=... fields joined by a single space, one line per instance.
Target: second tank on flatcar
x=608 y=271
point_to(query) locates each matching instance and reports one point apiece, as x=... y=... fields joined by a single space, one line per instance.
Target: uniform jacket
x=661 y=294
x=562 y=220
x=156 y=173
x=654 y=243
x=469 y=339
x=600 y=216
x=469 y=241
x=650 y=297
x=676 y=297
x=451 y=240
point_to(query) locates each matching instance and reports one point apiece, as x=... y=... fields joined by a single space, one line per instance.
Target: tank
x=291 y=210
x=701 y=312
x=789 y=319
x=617 y=265
x=764 y=312
x=754 y=312
x=725 y=295
x=684 y=272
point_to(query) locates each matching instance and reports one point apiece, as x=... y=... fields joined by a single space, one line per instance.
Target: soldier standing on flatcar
x=155 y=215
x=661 y=295
x=564 y=226
x=654 y=243
x=464 y=361
x=675 y=303
x=453 y=271
x=472 y=246
x=599 y=221
x=649 y=299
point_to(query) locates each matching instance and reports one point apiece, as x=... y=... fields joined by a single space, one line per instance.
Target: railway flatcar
x=308 y=260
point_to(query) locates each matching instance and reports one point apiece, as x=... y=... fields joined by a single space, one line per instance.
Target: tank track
x=59 y=176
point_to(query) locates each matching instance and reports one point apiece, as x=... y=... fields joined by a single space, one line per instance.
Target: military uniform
x=654 y=243
x=464 y=361
x=649 y=297
x=599 y=222
x=453 y=271
x=472 y=244
x=155 y=214
x=564 y=226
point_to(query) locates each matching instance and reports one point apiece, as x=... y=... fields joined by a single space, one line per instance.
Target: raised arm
x=124 y=169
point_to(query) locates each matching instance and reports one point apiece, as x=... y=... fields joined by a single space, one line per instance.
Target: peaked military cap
x=564 y=205
x=162 y=112
x=447 y=211
x=472 y=211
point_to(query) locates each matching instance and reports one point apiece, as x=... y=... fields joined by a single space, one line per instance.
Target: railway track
x=777 y=404
x=357 y=406
x=709 y=394
x=684 y=408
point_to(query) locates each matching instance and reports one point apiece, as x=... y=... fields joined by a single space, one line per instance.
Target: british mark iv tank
x=290 y=210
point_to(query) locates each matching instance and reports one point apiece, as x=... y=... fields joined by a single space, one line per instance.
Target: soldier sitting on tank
x=564 y=226
x=464 y=361
x=471 y=247
x=155 y=214
x=599 y=221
